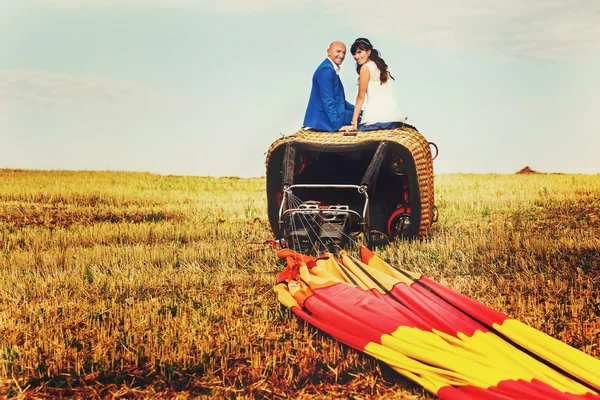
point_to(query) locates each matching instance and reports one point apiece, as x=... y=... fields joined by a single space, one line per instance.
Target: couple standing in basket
x=328 y=109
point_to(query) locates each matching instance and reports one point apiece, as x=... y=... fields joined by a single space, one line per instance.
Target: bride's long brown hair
x=365 y=45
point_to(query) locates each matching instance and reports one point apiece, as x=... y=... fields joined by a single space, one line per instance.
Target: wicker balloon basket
x=393 y=168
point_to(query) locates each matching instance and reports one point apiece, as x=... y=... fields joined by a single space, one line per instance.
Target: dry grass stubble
x=120 y=284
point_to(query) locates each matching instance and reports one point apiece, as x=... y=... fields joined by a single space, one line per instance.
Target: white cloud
x=52 y=120
x=513 y=28
x=536 y=28
x=58 y=92
x=237 y=6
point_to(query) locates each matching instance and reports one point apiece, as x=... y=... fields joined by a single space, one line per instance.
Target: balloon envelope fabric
x=453 y=346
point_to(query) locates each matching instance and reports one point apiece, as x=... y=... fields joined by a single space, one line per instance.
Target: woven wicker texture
x=410 y=138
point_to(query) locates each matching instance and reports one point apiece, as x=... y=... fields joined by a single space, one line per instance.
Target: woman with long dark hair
x=375 y=90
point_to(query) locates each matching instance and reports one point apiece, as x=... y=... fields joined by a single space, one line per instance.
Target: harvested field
x=116 y=284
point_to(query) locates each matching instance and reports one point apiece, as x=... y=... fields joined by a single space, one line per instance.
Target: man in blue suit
x=327 y=108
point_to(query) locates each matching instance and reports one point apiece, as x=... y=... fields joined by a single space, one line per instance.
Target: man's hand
x=346 y=128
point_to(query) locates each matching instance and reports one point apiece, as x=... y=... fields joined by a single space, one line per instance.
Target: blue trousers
x=380 y=125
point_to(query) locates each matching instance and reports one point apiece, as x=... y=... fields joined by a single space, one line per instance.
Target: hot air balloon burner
x=312 y=227
x=335 y=228
x=302 y=225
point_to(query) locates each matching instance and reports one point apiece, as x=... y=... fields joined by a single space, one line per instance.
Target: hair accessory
x=365 y=41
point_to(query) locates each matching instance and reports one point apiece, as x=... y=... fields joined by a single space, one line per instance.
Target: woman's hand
x=346 y=128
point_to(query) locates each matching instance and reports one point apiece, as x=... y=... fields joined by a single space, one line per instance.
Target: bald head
x=337 y=52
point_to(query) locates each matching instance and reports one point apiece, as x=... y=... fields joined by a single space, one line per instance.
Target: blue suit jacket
x=327 y=108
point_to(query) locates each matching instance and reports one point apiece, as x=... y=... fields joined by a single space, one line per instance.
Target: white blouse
x=381 y=104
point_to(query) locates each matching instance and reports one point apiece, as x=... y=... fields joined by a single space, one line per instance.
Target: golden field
x=116 y=284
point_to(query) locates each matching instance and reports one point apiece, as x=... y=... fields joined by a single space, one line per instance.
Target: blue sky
x=192 y=87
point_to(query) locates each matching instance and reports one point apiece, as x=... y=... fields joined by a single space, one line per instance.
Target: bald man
x=327 y=108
